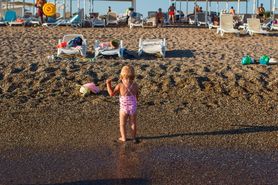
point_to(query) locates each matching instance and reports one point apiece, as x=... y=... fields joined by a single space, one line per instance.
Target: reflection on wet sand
x=142 y=164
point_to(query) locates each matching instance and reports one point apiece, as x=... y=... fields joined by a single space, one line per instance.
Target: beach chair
x=226 y=25
x=266 y=24
x=202 y=19
x=152 y=46
x=254 y=26
x=75 y=21
x=111 y=18
x=107 y=51
x=136 y=20
x=191 y=19
x=10 y=18
x=72 y=50
x=274 y=25
x=97 y=21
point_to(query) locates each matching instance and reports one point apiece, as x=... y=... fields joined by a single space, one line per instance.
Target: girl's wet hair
x=127 y=72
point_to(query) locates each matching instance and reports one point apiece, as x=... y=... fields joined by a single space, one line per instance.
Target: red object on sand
x=62 y=45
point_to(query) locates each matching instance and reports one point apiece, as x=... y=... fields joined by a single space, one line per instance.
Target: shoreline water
x=198 y=107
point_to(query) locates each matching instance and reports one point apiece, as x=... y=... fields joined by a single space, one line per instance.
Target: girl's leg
x=123 y=119
x=133 y=124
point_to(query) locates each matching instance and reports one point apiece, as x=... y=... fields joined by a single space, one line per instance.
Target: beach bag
x=264 y=60
x=77 y=41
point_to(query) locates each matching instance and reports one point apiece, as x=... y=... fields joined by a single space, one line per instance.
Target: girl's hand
x=108 y=81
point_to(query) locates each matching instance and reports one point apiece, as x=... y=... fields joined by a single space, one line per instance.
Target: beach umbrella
x=84 y=8
x=70 y=8
x=1 y=9
x=186 y=7
x=238 y=3
x=246 y=7
x=78 y=4
x=134 y=4
x=274 y=7
x=254 y=6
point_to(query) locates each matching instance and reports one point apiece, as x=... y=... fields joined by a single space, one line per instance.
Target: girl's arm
x=137 y=92
x=110 y=89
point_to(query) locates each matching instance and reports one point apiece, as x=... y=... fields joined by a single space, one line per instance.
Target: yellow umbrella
x=49 y=9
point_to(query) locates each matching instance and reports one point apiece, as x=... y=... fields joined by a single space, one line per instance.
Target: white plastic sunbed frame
x=254 y=26
x=112 y=18
x=226 y=25
x=152 y=46
x=274 y=27
x=139 y=22
x=108 y=52
x=73 y=51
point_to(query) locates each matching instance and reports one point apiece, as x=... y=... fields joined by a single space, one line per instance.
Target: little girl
x=128 y=91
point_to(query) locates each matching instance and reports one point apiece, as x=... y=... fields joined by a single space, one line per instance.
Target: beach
x=203 y=117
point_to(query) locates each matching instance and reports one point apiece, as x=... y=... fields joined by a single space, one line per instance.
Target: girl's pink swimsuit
x=128 y=104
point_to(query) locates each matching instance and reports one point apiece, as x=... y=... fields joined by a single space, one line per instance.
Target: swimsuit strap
x=128 y=88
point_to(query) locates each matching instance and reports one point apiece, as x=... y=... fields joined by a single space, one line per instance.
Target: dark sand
x=203 y=118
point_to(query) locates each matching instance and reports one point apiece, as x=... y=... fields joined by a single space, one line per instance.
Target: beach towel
x=77 y=41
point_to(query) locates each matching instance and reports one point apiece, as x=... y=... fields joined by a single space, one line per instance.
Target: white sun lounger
x=254 y=26
x=226 y=25
x=136 y=20
x=202 y=19
x=274 y=27
x=108 y=52
x=152 y=46
x=72 y=50
x=15 y=23
x=111 y=18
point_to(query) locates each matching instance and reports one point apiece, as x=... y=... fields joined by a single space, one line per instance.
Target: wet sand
x=203 y=118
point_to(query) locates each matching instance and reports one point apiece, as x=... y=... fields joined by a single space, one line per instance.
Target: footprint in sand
x=139 y=77
x=17 y=70
x=144 y=67
x=163 y=67
x=23 y=99
x=1 y=76
x=33 y=67
x=206 y=69
x=50 y=70
x=12 y=87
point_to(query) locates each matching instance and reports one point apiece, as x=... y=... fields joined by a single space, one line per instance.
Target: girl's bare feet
x=122 y=139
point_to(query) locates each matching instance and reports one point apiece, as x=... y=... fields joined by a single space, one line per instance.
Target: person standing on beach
x=128 y=90
x=109 y=9
x=171 y=12
x=232 y=11
x=261 y=11
x=39 y=5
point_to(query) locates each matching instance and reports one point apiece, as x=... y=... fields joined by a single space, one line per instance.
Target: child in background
x=128 y=90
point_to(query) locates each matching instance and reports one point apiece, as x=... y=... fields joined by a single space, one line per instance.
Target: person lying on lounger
x=114 y=44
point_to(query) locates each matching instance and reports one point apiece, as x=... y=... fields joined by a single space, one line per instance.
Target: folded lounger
x=152 y=46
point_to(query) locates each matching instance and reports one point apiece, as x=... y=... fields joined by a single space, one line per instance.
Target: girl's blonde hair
x=127 y=72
